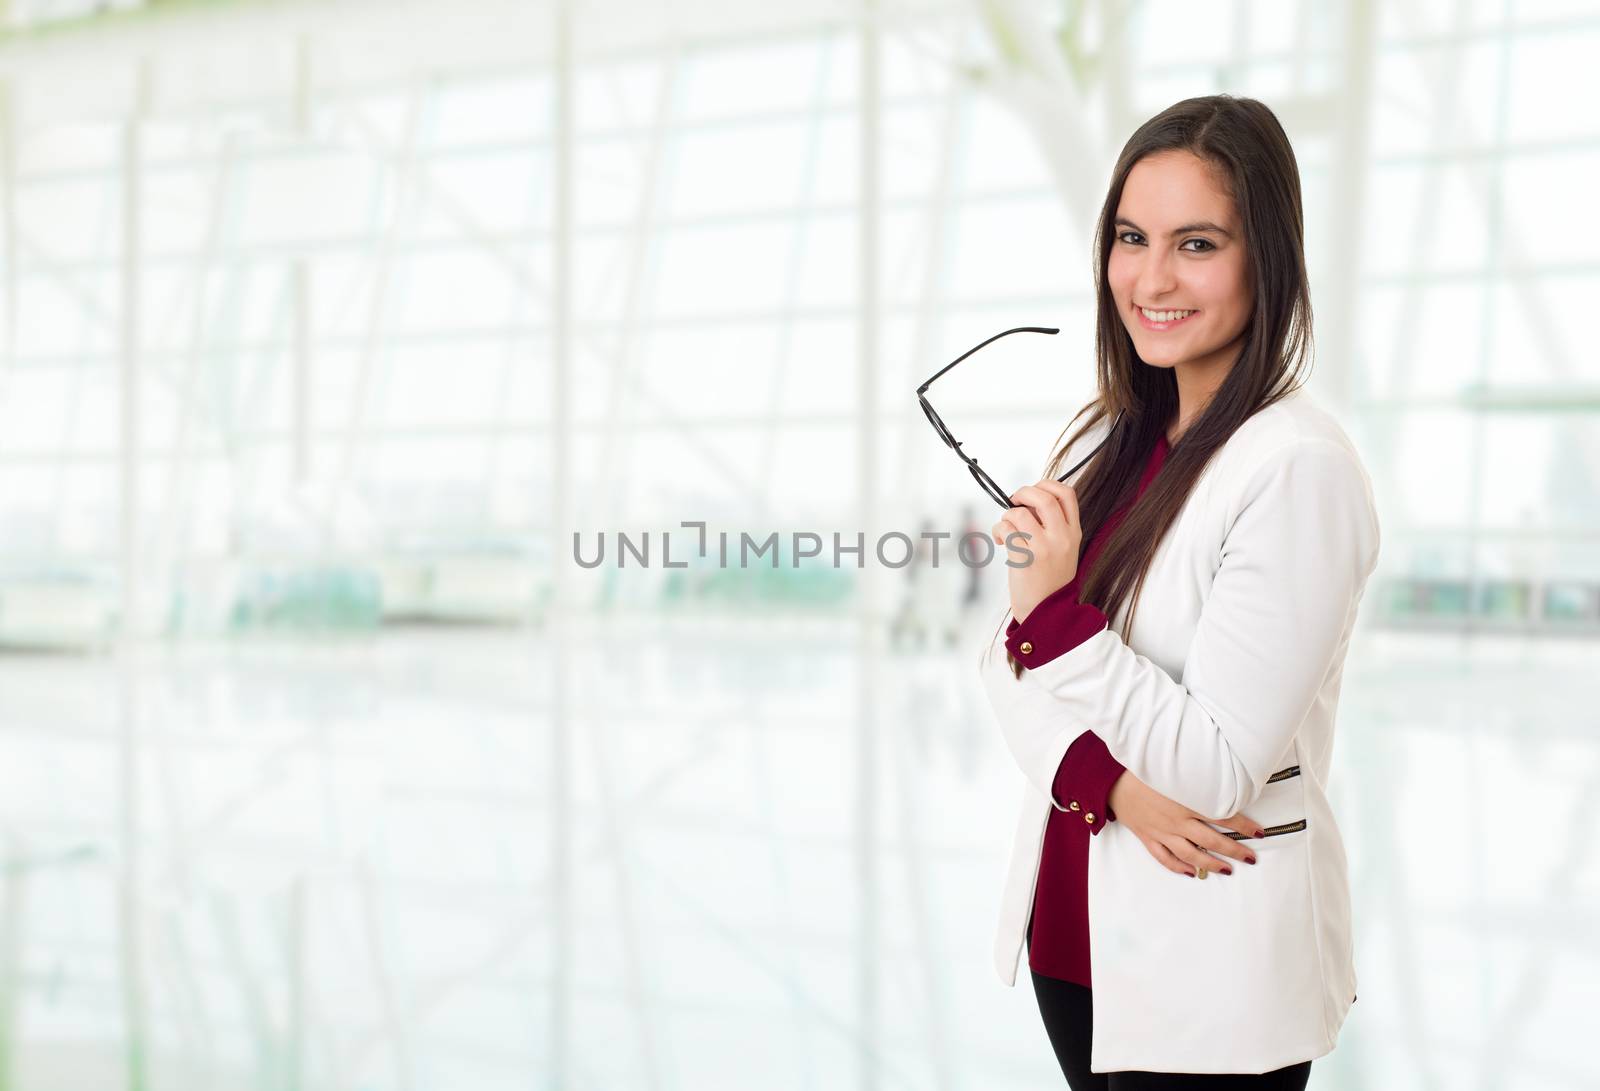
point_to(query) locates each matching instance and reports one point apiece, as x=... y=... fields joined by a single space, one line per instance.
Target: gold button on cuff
x=1089 y=817
x=1026 y=647
x=1074 y=805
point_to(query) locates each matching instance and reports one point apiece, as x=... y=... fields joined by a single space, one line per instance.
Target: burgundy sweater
x=1058 y=928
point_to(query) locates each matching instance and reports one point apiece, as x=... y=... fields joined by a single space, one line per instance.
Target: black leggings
x=1068 y=1011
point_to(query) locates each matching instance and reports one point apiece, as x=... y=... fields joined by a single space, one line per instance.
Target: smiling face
x=1180 y=247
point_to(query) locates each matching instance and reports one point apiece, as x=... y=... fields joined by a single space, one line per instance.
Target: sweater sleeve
x=1300 y=544
x=1084 y=779
x=1057 y=625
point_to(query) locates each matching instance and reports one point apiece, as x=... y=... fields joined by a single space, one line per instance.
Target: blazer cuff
x=1057 y=625
x=1083 y=780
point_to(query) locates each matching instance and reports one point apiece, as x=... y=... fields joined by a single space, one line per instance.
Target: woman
x=1193 y=739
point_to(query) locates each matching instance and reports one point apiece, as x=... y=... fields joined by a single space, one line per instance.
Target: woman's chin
x=1159 y=360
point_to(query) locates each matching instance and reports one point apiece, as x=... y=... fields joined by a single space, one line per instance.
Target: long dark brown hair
x=1244 y=143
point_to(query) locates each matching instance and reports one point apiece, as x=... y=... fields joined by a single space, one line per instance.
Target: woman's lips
x=1149 y=325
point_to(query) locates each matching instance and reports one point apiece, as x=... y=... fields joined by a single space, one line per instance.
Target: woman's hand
x=1048 y=514
x=1176 y=836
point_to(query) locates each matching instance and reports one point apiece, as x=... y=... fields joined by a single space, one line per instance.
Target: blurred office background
x=324 y=765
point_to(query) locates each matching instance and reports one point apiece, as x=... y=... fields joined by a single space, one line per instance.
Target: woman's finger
x=1046 y=507
x=1022 y=519
x=1208 y=838
x=1164 y=857
x=1241 y=823
x=1195 y=856
x=1067 y=496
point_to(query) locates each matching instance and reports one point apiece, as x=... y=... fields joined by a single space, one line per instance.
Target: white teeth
x=1164 y=316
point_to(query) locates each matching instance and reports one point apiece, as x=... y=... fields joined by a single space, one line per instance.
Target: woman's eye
x=1133 y=238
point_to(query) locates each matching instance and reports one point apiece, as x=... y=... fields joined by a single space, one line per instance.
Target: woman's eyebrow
x=1183 y=229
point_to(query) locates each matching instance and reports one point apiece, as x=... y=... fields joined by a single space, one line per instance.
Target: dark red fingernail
x=1227 y=871
x=1190 y=874
x=1261 y=833
x=1249 y=859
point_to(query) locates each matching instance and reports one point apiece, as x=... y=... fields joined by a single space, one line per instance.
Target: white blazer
x=1230 y=678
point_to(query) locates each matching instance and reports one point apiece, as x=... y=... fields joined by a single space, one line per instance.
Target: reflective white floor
x=389 y=863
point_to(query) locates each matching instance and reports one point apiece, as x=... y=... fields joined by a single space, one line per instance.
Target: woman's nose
x=1156 y=278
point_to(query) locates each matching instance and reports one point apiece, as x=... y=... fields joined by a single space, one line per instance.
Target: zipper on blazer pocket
x=1287 y=827
x=1271 y=831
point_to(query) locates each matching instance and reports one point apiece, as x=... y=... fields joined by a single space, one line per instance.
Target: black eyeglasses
x=979 y=474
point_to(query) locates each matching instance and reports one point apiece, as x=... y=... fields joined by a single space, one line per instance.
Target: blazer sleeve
x=1294 y=564
x=1084 y=778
